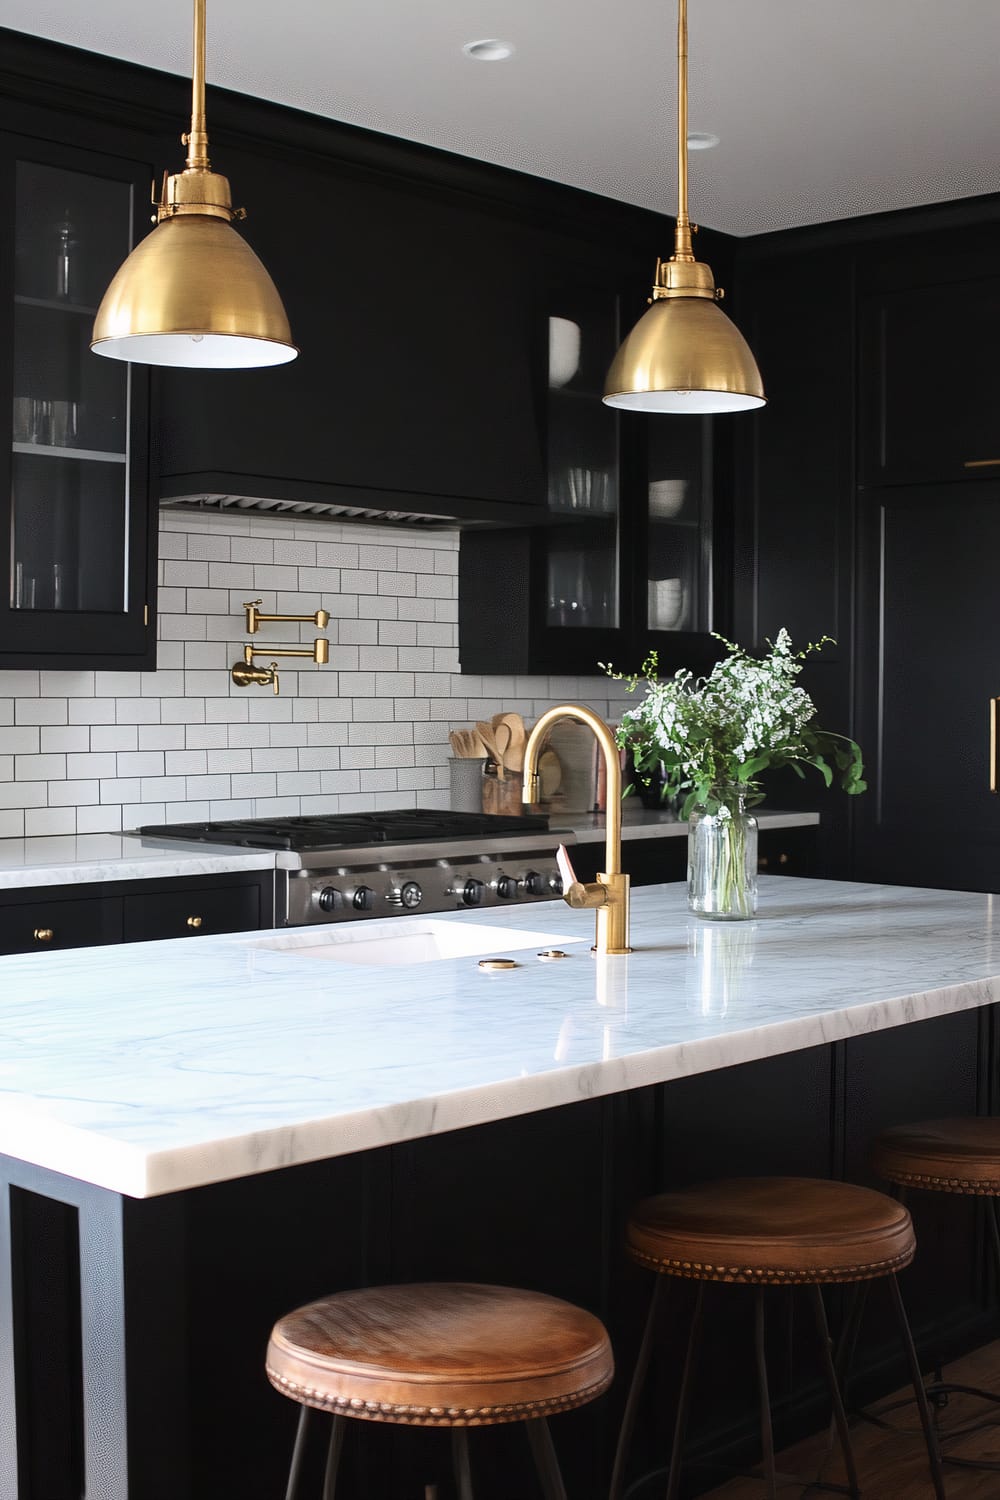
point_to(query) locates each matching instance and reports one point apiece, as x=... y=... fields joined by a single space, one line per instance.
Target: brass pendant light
x=193 y=293
x=684 y=355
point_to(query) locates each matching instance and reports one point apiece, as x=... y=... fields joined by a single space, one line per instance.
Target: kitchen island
x=226 y=1118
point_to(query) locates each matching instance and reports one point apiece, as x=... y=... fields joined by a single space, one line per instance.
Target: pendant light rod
x=683 y=249
x=197 y=140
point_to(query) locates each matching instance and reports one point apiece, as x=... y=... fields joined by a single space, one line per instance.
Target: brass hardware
x=684 y=354
x=193 y=292
x=550 y=954
x=145 y=614
x=994 y=743
x=981 y=463
x=609 y=894
x=44 y=934
x=497 y=963
x=194 y=922
x=320 y=619
x=244 y=673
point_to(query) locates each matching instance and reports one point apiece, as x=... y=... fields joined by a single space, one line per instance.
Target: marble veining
x=159 y=1066
x=82 y=859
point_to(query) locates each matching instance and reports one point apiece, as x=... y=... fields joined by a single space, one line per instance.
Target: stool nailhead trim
x=988 y=1187
x=434 y=1416
x=698 y=1271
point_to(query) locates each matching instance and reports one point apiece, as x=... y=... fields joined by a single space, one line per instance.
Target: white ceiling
x=825 y=108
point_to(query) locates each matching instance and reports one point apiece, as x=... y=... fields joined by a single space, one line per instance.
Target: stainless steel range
x=350 y=865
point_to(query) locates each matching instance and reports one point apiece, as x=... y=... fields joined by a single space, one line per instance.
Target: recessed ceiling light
x=490 y=49
x=701 y=140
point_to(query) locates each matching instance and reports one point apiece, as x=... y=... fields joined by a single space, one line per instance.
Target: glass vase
x=722 y=857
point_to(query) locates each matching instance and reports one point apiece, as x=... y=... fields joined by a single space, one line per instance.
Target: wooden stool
x=449 y=1354
x=763 y=1232
x=947 y=1156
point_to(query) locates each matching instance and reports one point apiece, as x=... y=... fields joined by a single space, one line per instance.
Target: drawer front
x=47 y=923
x=190 y=912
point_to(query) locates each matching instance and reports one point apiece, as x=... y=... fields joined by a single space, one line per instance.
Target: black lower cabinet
x=652 y=861
x=538 y=1201
x=45 y=918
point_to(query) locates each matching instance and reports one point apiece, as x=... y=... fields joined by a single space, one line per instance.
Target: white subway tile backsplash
x=41 y=711
x=40 y=822
x=94 y=751
x=140 y=763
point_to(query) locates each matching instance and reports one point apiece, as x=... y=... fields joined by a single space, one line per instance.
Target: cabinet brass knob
x=44 y=934
x=194 y=922
x=762 y=862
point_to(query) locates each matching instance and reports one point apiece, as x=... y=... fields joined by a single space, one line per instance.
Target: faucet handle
x=274 y=677
x=575 y=892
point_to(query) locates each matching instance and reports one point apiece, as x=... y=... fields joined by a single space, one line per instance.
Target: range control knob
x=556 y=885
x=535 y=884
x=364 y=898
x=330 y=899
x=472 y=892
x=410 y=895
x=506 y=887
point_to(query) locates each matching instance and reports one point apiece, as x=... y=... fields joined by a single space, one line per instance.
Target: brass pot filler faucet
x=246 y=671
x=609 y=893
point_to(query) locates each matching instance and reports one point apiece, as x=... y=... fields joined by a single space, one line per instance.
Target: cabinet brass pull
x=762 y=862
x=981 y=463
x=194 y=922
x=994 y=778
x=44 y=934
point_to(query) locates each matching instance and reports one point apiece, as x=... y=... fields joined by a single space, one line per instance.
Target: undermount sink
x=403 y=941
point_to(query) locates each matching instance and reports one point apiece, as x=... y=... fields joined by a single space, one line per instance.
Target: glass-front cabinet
x=75 y=586
x=624 y=559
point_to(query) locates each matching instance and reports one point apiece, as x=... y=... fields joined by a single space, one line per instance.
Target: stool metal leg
x=298 y=1453
x=839 y=1414
x=930 y=1433
x=766 y=1433
x=635 y=1390
x=333 y=1452
x=546 y=1462
x=684 y=1399
x=460 y=1459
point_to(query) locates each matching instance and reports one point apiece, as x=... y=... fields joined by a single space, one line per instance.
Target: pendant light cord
x=197 y=140
x=683 y=249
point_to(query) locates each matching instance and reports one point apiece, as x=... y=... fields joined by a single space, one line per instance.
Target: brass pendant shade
x=684 y=354
x=193 y=293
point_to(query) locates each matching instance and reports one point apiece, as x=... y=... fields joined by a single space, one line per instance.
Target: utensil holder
x=503 y=797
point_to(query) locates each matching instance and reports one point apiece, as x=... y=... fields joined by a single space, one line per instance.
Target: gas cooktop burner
x=350 y=830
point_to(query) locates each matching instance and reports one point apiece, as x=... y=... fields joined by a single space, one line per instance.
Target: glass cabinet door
x=583 y=571
x=678 y=550
x=75 y=568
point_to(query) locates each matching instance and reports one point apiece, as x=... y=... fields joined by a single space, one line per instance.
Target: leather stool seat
x=944 y=1156
x=440 y=1355
x=772 y=1231
x=769 y=1232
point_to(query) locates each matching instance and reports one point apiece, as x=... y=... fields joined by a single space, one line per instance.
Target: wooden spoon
x=514 y=756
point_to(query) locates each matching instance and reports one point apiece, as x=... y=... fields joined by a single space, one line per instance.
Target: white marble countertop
x=87 y=857
x=640 y=822
x=90 y=857
x=158 y=1066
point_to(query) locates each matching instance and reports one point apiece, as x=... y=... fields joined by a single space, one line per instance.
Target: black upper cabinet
x=930 y=328
x=625 y=561
x=76 y=555
x=415 y=385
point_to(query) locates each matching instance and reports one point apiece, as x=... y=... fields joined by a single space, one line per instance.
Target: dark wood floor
x=892 y=1466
